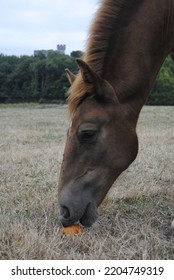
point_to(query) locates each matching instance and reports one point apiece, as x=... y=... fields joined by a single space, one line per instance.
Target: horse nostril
x=65 y=212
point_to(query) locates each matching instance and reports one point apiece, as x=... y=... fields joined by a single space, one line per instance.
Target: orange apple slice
x=72 y=230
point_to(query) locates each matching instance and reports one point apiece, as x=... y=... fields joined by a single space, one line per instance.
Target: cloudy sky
x=27 y=25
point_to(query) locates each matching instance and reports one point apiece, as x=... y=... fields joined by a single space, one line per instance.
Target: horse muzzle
x=86 y=215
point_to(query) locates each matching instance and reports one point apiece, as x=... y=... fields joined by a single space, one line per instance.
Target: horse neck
x=137 y=50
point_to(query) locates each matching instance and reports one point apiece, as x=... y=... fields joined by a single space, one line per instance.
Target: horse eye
x=87 y=135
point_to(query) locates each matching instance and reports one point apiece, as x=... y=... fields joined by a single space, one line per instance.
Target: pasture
x=135 y=218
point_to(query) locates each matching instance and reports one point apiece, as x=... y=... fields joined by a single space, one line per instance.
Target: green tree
x=43 y=79
x=76 y=54
x=7 y=66
x=163 y=89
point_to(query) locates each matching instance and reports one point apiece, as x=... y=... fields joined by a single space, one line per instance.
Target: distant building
x=61 y=48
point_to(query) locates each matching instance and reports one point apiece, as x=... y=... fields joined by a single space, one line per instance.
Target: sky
x=28 y=25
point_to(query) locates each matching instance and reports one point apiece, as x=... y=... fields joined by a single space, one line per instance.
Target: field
x=135 y=218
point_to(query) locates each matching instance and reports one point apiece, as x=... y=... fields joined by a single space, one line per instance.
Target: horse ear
x=71 y=77
x=102 y=89
x=88 y=75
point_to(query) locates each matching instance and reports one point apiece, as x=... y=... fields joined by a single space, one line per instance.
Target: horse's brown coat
x=128 y=42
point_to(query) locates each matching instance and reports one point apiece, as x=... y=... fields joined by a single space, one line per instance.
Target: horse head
x=101 y=143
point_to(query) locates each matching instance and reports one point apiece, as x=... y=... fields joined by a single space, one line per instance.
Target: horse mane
x=98 y=49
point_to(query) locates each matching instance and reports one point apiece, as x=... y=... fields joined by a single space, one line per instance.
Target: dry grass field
x=135 y=218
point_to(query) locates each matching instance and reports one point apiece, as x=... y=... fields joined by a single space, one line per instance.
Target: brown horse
x=128 y=42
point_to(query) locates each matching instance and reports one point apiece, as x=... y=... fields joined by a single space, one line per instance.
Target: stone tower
x=61 y=48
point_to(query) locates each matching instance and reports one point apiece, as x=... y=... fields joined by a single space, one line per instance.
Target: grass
x=135 y=218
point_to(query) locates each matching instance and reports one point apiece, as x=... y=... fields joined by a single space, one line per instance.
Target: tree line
x=42 y=79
